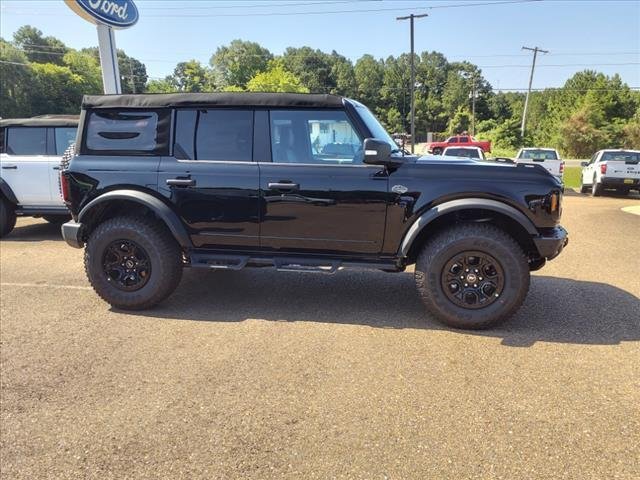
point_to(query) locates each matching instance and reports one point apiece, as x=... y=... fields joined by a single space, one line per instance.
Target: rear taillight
x=562 y=167
x=64 y=187
x=603 y=168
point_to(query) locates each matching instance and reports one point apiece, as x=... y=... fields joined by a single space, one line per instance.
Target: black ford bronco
x=299 y=182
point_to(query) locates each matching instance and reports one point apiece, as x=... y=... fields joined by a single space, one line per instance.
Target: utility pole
x=413 y=79
x=526 y=101
x=473 y=106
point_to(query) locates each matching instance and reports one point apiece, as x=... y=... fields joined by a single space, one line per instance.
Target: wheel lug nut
x=475 y=285
x=461 y=277
x=480 y=278
x=467 y=270
x=466 y=284
x=476 y=270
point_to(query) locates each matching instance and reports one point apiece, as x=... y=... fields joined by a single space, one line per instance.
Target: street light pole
x=413 y=79
x=526 y=101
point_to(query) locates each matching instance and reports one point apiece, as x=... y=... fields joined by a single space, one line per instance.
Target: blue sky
x=599 y=35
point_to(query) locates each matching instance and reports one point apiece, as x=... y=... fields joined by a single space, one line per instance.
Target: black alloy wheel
x=126 y=265
x=472 y=279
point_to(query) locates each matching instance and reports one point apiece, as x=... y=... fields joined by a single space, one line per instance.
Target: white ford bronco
x=30 y=152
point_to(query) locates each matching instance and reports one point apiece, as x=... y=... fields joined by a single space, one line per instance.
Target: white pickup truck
x=475 y=153
x=549 y=158
x=611 y=169
x=30 y=152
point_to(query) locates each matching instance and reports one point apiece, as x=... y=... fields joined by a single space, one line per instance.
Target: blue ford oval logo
x=115 y=13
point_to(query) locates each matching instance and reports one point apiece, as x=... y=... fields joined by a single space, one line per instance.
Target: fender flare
x=163 y=211
x=463 y=204
x=6 y=191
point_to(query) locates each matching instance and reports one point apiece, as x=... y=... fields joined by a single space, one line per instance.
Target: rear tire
x=139 y=243
x=596 y=188
x=7 y=217
x=437 y=151
x=463 y=242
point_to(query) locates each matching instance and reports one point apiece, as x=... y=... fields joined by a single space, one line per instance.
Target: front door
x=318 y=195
x=212 y=179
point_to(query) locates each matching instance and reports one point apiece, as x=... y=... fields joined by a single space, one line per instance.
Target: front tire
x=472 y=276
x=7 y=217
x=132 y=263
x=437 y=151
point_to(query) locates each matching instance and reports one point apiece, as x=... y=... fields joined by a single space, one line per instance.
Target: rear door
x=24 y=165
x=318 y=195
x=212 y=179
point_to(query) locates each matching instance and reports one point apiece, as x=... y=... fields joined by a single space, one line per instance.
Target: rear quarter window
x=127 y=132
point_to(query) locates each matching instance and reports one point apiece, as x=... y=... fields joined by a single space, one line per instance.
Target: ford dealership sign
x=114 y=13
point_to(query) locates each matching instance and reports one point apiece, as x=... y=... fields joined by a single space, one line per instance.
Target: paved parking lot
x=257 y=374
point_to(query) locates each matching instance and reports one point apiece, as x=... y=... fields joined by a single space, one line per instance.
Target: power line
x=319 y=12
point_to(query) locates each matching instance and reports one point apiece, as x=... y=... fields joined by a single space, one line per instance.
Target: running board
x=217 y=261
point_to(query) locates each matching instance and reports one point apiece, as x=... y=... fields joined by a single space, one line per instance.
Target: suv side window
x=314 y=136
x=65 y=136
x=453 y=140
x=127 y=132
x=26 y=141
x=464 y=140
x=214 y=135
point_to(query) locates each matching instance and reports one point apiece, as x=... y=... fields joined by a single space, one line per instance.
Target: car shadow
x=556 y=309
x=34 y=232
x=575 y=192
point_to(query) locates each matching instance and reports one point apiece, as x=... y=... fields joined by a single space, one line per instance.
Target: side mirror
x=376 y=152
x=584 y=164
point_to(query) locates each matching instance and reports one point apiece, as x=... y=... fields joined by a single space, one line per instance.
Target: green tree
x=238 y=62
x=314 y=68
x=276 y=79
x=369 y=76
x=14 y=81
x=38 y=48
x=160 y=86
x=190 y=76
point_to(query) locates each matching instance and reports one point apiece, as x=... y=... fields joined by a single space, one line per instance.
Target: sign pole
x=108 y=59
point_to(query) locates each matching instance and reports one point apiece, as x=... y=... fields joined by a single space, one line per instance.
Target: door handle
x=56 y=168
x=283 y=186
x=181 y=182
x=9 y=167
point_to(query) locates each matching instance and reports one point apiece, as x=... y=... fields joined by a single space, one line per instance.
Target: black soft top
x=42 y=121
x=223 y=99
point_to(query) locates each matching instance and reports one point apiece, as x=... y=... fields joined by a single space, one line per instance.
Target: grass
x=572 y=177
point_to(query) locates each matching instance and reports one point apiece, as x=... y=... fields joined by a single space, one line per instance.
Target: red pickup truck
x=436 y=148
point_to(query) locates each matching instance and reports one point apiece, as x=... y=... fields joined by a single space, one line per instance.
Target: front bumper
x=551 y=242
x=72 y=234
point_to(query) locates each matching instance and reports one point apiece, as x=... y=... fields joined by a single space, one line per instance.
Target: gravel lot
x=257 y=374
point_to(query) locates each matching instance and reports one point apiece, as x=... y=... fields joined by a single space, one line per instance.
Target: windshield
x=462 y=152
x=374 y=126
x=627 y=157
x=539 y=155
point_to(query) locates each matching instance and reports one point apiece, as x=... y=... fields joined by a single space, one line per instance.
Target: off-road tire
x=596 y=189
x=7 y=217
x=57 y=219
x=476 y=237
x=161 y=248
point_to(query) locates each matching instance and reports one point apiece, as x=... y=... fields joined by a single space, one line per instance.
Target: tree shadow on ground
x=556 y=309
